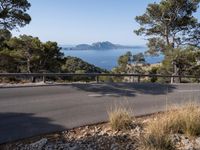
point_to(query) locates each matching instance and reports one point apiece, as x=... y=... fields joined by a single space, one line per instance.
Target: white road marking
x=187 y=90
x=112 y=95
x=101 y=95
x=95 y=95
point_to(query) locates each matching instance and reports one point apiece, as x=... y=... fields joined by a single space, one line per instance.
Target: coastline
x=107 y=59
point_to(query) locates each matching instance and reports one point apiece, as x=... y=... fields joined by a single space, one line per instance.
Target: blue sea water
x=107 y=59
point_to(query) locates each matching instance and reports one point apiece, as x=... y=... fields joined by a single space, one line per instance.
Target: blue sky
x=85 y=21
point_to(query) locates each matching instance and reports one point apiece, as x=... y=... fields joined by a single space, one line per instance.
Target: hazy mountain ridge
x=100 y=46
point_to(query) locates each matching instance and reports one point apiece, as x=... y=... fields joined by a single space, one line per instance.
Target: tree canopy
x=29 y=54
x=170 y=24
x=76 y=65
x=13 y=14
x=129 y=63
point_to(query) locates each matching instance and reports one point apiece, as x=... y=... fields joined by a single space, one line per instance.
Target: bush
x=120 y=119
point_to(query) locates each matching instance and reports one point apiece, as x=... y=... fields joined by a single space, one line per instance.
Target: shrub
x=120 y=118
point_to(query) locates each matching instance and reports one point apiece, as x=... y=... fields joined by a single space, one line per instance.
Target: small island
x=99 y=46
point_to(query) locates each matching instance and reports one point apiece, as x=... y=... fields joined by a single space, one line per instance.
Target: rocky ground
x=98 y=137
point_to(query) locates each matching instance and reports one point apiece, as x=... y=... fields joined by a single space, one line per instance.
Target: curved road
x=30 y=111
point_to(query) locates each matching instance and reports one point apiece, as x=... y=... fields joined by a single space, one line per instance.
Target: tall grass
x=183 y=120
x=157 y=136
x=120 y=118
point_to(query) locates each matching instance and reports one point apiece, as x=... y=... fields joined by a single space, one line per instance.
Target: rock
x=76 y=147
x=39 y=144
x=197 y=143
x=175 y=138
x=129 y=146
x=185 y=141
x=189 y=146
x=114 y=147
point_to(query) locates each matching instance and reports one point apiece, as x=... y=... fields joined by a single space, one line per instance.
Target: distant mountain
x=99 y=46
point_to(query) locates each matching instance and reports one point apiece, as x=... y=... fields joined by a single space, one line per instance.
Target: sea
x=107 y=59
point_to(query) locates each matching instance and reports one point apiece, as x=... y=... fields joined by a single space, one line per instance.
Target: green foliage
x=74 y=64
x=169 y=24
x=4 y=35
x=29 y=54
x=13 y=14
x=27 y=51
x=106 y=79
x=154 y=70
x=51 y=58
x=129 y=63
x=171 y=27
x=186 y=60
x=7 y=62
x=138 y=58
x=78 y=66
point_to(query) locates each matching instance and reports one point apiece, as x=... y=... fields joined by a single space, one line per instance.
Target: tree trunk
x=29 y=70
x=167 y=35
x=28 y=66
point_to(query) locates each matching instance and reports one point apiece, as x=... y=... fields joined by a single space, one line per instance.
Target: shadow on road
x=126 y=89
x=15 y=126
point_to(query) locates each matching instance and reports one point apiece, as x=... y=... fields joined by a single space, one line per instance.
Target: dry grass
x=120 y=118
x=156 y=137
x=183 y=119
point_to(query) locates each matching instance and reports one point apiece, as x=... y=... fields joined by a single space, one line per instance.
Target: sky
x=71 y=22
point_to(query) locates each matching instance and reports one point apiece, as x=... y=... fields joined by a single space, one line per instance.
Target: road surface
x=31 y=111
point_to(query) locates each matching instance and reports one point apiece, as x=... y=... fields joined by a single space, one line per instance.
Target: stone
x=76 y=147
x=175 y=138
x=39 y=144
x=189 y=146
x=197 y=143
x=114 y=147
x=185 y=141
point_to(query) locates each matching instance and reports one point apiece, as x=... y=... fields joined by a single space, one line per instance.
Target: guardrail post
x=172 y=80
x=44 y=78
x=97 y=79
x=139 y=79
x=180 y=79
x=33 y=79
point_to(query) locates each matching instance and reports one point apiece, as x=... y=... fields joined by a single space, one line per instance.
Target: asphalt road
x=31 y=111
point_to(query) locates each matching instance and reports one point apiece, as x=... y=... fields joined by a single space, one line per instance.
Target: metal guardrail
x=97 y=75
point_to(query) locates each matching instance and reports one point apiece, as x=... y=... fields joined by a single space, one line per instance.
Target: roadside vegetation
x=158 y=132
x=178 y=120
x=120 y=118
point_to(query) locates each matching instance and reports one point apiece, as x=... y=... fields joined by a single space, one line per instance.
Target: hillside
x=77 y=65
